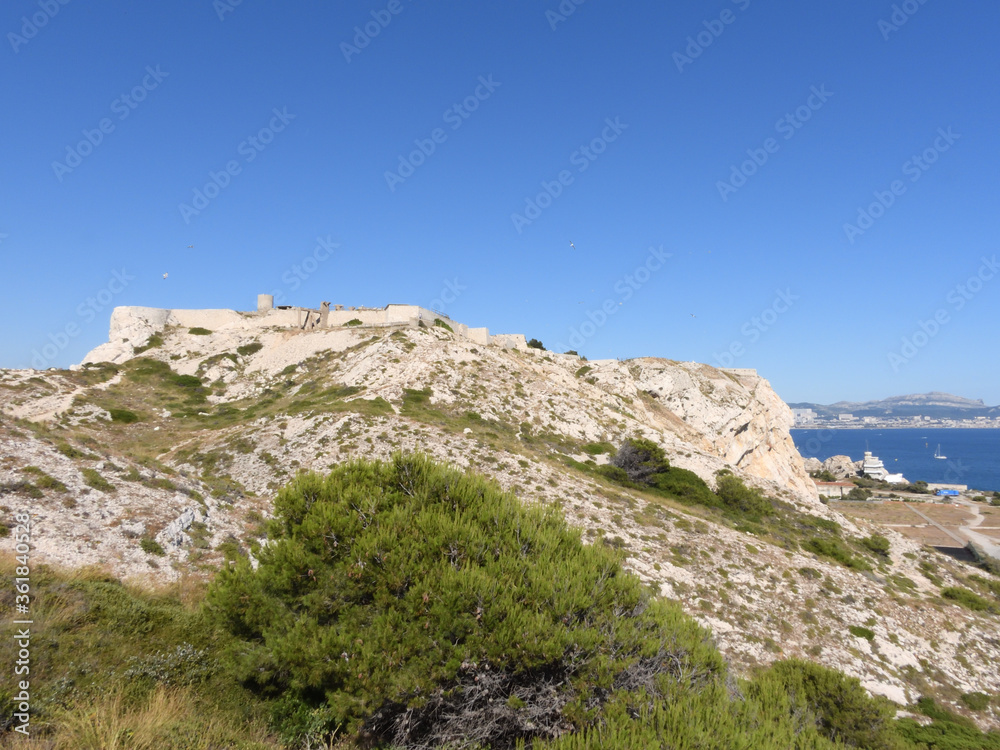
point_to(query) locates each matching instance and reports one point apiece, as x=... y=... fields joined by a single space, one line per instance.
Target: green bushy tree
x=641 y=460
x=735 y=495
x=416 y=604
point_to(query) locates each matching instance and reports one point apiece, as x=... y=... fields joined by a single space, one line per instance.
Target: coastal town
x=808 y=419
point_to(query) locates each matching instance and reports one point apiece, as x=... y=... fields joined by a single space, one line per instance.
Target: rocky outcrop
x=202 y=485
x=842 y=467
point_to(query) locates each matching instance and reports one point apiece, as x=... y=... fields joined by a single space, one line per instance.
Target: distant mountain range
x=936 y=405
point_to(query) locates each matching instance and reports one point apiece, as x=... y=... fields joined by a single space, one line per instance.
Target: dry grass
x=947 y=515
x=888 y=513
x=167 y=718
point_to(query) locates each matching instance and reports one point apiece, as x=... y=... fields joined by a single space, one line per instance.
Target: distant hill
x=936 y=405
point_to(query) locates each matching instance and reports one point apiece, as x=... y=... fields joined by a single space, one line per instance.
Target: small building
x=801 y=416
x=838 y=490
x=873 y=468
x=845 y=417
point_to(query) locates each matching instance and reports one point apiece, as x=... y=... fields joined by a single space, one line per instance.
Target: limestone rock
x=842 y=467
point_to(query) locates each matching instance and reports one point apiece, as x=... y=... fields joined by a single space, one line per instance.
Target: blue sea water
x=973 y=455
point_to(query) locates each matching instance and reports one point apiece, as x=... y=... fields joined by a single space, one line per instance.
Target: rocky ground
x=153 y=474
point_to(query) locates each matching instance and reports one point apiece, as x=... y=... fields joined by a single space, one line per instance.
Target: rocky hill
x=161 y=454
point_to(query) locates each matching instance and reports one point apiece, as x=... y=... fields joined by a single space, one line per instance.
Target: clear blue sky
x=764 y=268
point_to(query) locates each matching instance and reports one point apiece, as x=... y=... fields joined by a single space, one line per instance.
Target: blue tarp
x=946 y=492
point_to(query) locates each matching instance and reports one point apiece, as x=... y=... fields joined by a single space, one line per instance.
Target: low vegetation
x=247 y=349
x=438 y=323
x=407 y=605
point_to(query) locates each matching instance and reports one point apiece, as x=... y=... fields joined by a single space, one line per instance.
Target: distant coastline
x=993 y=424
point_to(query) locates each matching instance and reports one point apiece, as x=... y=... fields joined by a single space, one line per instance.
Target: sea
x=972 y=455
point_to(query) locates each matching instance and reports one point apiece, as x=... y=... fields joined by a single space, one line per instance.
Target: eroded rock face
x=707 y=419
x=842 y=467
x=130 y=327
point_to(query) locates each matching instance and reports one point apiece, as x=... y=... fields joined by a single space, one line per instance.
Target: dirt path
x=988 y=546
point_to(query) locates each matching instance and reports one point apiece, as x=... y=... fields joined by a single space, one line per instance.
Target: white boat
x=937 y=453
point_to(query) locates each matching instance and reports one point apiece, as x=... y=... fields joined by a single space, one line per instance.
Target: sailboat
x=937 y=453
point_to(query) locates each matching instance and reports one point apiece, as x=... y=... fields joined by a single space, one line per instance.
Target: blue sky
x=454 y=155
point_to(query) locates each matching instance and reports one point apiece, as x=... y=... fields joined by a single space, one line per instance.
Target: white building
x=873 y=468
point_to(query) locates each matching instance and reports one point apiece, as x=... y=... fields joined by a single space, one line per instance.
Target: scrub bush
x=415 y=605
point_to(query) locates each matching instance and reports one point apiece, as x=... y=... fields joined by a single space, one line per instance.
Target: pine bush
x=418 y=606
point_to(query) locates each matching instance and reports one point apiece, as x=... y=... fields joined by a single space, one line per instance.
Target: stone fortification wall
x=510 y=341
x=132 y=326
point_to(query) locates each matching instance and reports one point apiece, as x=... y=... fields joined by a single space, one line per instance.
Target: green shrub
x=945 y=735
x=685 y=486
x=860 y=632
x=810 y=573
x=123 y=415
x=186 y=381
x=929 y=708
x=836 y=704
x=535 y=344
x=199 y=331
x=92 y=478
x=4 y=530
x=438 y=323
x=597 y=449
x=353 y=322
x=967 y=599
x=613 y=473
x=583 y=370
x=44 y=481
x=877 y=544
x=735 y=495
x=975 y=701
x=151 y=547
x=247 y=349
x=69 y=451
x=835 y=550
x=439 y=596
x=640 y=459
x=154 y=341
x=21 y=487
